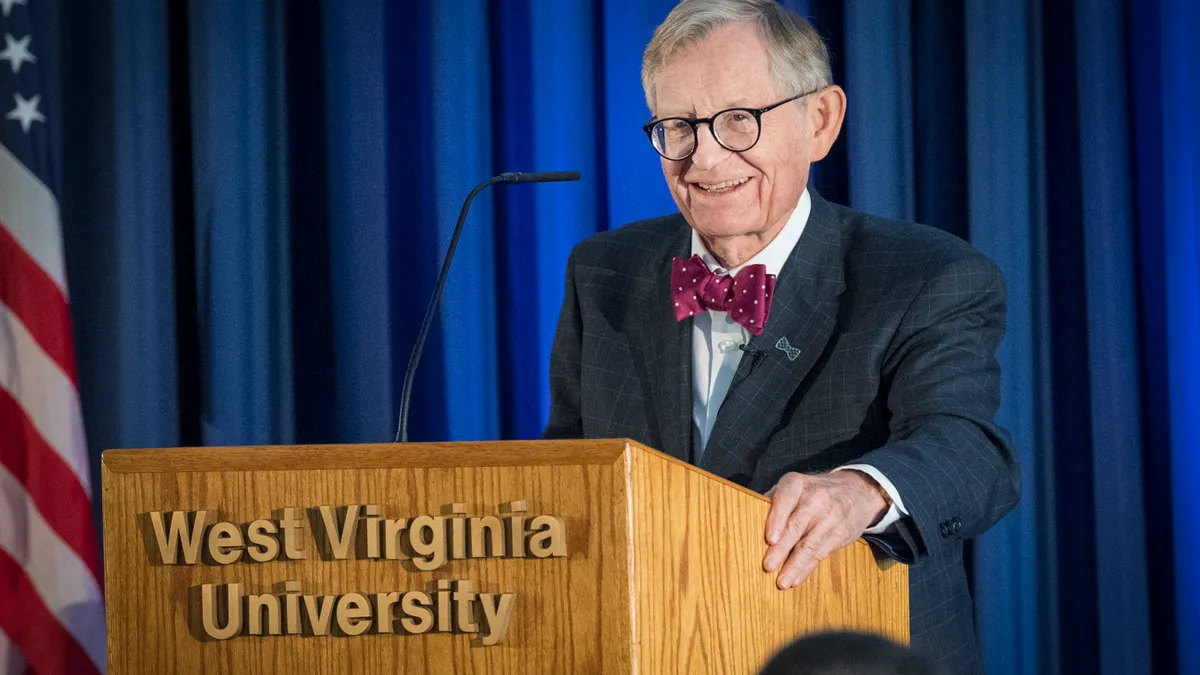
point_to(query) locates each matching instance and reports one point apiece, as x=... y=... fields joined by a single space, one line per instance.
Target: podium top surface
x=366 y=456
x=384 y=456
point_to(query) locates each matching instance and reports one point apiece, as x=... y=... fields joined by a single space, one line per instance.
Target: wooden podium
x=603 y=556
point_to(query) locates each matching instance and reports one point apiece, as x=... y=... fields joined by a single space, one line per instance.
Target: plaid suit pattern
x=897 y=327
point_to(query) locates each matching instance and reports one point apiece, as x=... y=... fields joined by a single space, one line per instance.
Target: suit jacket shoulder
x=630 y=247
x=884 y=253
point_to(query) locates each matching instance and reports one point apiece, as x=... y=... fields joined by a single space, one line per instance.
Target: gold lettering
x=464 y=596
x=458 y=535
x=353 y=614
x=392 y=530
x=516 y=529
x=444 y=616
x=340 y=537
x=371 y=523
x=494 y=531
x=384 y=610
x=256 y=605
x=233 y=610
x=549 y=537
x=263 y=545
x=319 y=609
x=225 y=543
x=170 y=539
x=292 y=602
x=497 y=610
x=292 y=525
x=419 y=617
x=427 y=536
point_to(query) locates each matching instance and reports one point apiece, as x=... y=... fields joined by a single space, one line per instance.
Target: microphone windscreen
x=541 y=177
x=553 y=176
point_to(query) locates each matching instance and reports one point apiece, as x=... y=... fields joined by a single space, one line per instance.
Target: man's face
x=731 y=69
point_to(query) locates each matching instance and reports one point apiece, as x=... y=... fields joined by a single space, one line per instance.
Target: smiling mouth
x=724 y=186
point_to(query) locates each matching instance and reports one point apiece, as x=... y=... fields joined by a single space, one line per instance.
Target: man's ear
x=827 y=110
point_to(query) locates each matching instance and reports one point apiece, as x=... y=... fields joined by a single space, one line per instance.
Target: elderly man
x=841 y=363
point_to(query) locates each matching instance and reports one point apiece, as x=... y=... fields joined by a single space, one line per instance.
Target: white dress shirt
x=716 y=353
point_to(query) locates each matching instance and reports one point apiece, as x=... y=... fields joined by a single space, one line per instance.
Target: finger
x=808 y=553
x=784 y=497
x=797 y=526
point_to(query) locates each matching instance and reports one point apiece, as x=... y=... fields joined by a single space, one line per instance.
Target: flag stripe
x=30 y=212
x=45 y=392
x=11 y=660
x=48 y=480
x=47 y=647
x=66 y=587
x=32 y=295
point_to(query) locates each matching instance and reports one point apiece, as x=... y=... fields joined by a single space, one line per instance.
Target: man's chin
x=721 y=228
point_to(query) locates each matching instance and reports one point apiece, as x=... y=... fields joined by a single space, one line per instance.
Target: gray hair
x=799 y=59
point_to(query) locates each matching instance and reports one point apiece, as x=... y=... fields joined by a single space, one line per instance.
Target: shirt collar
x=776 y=253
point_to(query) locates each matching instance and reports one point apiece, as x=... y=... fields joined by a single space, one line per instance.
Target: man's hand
x=813 y=516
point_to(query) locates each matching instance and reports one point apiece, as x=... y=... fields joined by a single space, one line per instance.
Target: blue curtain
x=257 y=195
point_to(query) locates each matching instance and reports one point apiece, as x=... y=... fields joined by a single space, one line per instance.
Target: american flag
x=51 y=603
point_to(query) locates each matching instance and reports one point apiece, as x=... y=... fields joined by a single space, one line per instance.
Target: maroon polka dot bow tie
x=746 y=297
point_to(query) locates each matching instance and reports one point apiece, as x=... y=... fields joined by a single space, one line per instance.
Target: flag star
x=7 y=5
x=16 y=52
x=26 y=111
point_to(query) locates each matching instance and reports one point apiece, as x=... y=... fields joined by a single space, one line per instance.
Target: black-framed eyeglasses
x=736 y=129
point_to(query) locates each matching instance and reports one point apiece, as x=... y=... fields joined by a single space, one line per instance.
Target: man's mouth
x=723 y=186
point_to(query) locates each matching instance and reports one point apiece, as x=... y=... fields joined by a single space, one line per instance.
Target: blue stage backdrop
x=257 y=194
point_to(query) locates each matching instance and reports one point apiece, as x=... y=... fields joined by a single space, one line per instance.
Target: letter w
x=168 y=542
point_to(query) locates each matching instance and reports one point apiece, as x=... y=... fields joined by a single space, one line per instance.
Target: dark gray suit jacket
x=897 y=326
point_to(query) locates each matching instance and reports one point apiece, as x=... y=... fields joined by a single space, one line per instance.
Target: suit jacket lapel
x=804 y=311
x=664 y=347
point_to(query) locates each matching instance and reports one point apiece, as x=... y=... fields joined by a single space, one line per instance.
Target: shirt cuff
x=895 y=512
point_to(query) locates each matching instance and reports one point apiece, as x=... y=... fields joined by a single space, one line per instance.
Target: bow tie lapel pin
x=784 y=346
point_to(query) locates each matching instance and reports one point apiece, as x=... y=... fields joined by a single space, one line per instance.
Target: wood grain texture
x=662 y=573
x=571 y=614
x=702 y=602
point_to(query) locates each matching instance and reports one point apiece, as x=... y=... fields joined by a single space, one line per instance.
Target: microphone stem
x=431 y=310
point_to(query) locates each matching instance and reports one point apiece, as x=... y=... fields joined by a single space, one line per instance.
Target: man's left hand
x=813 y=516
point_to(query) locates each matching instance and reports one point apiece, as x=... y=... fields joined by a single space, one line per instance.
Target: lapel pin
x=784 y=346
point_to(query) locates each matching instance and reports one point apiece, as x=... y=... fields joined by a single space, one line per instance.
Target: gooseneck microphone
x=409 y=374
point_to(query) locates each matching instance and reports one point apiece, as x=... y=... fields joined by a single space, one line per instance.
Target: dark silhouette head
x=848 y=654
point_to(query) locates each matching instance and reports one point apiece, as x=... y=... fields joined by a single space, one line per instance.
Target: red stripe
x=37 y=301
x=53 y=487
x=47 y=647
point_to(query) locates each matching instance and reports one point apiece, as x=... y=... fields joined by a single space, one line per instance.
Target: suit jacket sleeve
x=955 y=468
x=565 y=365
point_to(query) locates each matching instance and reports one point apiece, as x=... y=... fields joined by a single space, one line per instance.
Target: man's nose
x=708 y=151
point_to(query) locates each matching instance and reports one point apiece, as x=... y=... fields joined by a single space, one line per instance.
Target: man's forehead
x=701 y=106
x=706 y=95
x=729 y=68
